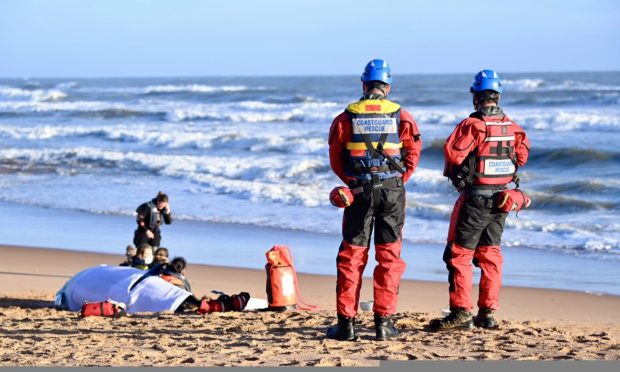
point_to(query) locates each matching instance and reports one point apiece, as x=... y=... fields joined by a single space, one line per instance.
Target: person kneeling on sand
x=130 y=252
x=161 y=256
x=143 y=257
x=173 y=272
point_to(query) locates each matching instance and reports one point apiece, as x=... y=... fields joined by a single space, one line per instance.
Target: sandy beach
x=536 y=324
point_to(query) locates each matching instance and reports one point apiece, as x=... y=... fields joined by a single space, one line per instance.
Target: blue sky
x=72 y=38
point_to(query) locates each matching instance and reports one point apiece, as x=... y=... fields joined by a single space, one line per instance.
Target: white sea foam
x=254 y=112
x=273 y=178
x=264 y=160
x=536 y=84
x=523 y=84
x=275 y=140
x=35 y=95
x=197 y=88
x=67 y=85
x=439 y=116
x=34 y=106
x=568 y=120
x=572 y=85
x=273 y=190
x=248 y=112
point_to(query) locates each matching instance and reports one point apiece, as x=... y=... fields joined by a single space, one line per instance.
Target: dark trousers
x=139 y=238
x=475 y=234
x=384 y=211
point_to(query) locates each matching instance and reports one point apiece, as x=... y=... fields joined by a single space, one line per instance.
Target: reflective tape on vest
x=362 y=145
x=500 y=123
x=499 y=138
x=495 y=167
x=374 y=125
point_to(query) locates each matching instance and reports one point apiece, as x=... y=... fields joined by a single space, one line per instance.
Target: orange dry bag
x=282 y=290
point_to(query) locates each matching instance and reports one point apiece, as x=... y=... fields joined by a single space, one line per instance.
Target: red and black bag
x=236 y=302
x=211 y=306
x=107 y=308
x=512 y=200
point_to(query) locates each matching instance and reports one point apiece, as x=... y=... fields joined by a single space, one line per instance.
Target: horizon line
x=287 y=75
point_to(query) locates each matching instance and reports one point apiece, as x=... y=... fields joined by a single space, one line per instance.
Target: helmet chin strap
x=474 y=101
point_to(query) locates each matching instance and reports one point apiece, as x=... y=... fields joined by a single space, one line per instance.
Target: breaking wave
x=198 y=88
x=35 y=95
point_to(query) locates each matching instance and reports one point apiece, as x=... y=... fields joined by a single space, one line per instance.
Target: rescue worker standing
x=150 y=216
x=482 y=155
x=374 y=147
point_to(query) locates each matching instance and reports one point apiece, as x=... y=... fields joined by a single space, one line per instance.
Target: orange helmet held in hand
x=341 y=197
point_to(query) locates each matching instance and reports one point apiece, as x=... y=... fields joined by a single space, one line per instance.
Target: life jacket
x=375 y=129
x=495 y=159
x=282 y=290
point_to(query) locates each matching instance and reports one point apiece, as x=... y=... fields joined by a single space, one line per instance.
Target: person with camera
x=150 y=216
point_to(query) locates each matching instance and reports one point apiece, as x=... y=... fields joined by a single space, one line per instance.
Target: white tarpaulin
x=101 y=283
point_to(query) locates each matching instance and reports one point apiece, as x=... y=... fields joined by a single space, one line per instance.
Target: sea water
x=254 y=151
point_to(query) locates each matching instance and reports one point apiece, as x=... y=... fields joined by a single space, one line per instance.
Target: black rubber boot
x=344 y=330
x=485 y=319
x=457 y=319
x=384 y=328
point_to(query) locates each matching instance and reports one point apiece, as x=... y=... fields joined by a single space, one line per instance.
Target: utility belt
x=482 y=192
x=359 y=169
x=506 y=200
x=367 y=187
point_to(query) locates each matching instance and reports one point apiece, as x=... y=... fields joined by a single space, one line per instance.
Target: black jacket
x=149 y=217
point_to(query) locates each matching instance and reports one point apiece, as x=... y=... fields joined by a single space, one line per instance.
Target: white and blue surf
x=254 y=151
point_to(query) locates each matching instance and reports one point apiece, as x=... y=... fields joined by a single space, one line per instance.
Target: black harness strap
x=502 y=150
x=391 y=160
x=379 y=151
x=371 y=149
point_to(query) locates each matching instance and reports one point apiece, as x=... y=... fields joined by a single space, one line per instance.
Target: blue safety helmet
x=486 y=80
x=377 y=70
